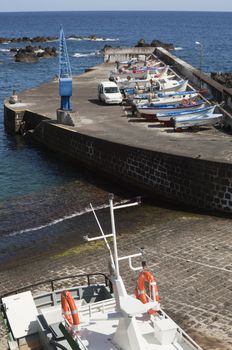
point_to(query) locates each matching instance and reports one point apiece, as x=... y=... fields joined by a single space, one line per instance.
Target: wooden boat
x=141 y=79
x=153 y=109
x=159 y=85
x=89 y=317
x=165 y=117
x=175 y=98
x=137 y=71
x=183 y=122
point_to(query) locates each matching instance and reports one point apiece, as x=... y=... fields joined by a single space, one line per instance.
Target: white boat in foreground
x=89 y=318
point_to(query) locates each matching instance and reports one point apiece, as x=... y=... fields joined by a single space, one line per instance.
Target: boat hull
x=185 y=123
x=154 y=111
x=185 y=114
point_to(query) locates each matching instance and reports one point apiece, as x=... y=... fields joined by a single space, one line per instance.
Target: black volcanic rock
x=31 y=54
x=142 y=43
x=26 y=57
x=155 y=43
x=223 y=78
x=44 y=39
x=158 y=43
x=106 y=47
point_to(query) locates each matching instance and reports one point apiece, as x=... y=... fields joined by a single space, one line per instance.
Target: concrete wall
x=193 y=182
x=124 y=54
x=18 y=121
x=13 y=119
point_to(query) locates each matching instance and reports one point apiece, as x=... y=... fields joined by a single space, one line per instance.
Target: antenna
x=116 y=259
x=103 y=236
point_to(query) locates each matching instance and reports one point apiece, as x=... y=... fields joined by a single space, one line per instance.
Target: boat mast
x=111 y=197
x=115 y=260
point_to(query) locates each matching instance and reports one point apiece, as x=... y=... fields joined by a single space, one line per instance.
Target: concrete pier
x=194 y=169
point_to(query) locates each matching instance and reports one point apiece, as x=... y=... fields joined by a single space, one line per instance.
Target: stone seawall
x=193 y=182
x=13 y=119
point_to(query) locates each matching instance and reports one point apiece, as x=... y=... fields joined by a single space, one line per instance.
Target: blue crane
x=65 y=75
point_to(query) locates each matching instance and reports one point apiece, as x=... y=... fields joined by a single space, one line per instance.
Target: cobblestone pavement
x=191 y=258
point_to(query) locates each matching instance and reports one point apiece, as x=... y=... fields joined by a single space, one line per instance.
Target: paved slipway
x=190 y=255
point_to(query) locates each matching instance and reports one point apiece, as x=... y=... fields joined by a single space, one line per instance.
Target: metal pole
x=201 y=56
x=111 y=197
x=200 y=65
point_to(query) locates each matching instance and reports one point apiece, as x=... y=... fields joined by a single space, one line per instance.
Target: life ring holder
x=69 y=311
x=140 y=292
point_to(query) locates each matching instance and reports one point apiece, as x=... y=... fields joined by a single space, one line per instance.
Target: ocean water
x=37 y=189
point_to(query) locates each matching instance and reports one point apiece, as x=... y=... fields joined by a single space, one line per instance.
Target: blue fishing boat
x=185 y=105
x=165 y=117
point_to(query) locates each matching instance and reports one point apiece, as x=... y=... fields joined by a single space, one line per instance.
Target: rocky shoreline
x=155 y=43
x=31 y=54
x=44 y=39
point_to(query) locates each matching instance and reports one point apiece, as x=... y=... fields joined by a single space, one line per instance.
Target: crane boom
x=65 y=74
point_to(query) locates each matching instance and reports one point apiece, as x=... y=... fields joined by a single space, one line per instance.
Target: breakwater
x=191 y=169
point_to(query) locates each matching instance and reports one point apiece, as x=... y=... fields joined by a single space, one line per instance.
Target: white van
x=109 y=92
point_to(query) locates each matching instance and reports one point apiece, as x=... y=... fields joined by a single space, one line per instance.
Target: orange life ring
x=140 y=292
x=69 y=310
x=185 y=102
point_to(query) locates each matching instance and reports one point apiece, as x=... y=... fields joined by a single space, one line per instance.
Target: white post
x=111 y=197
x=201 y=56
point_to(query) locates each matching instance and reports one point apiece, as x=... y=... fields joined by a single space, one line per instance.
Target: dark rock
x=223 y=78
x=106 y=47
x=30 y=54
x=29 y=49
x=155 y=43
x=158 y=43
x=25 y=38
x=142 y=43
x=26 y=57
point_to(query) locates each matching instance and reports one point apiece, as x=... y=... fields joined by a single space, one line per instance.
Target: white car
x=109 y=92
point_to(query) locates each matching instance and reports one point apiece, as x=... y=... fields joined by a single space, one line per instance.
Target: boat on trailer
x=187 y=114
x=96 y=316
x=184 y=105
x=184 y=98
x=161 y=86
x=183 y=122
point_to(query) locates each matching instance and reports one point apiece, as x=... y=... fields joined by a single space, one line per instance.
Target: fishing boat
x=156 y=99
x=183 y=122
x=164 y=117
x=142 y=80
x=161 y=85
x=184 y=105
x=98 y=316
x=140 y=73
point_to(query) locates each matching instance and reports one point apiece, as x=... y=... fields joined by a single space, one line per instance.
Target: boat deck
x=99 y=322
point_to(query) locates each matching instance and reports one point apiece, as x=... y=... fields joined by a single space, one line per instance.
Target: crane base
x=67 y=117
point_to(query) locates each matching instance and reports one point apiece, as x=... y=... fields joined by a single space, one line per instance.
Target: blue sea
x=39 y=190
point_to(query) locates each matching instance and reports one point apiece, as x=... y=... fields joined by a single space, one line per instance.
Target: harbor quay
x=191 y=168
x=190 y=254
